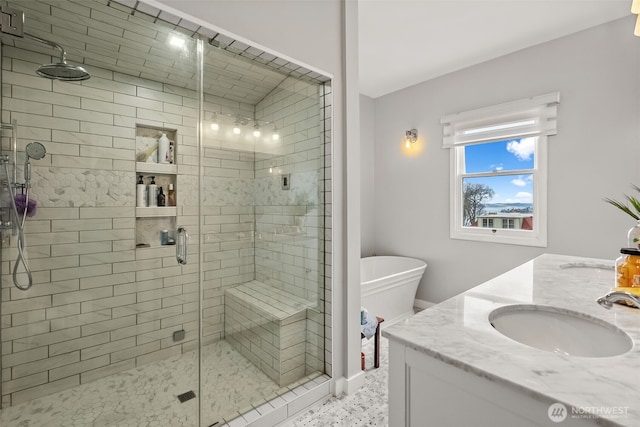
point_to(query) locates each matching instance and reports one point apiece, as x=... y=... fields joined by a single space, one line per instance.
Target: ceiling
x=133 y=38
x=405 y=42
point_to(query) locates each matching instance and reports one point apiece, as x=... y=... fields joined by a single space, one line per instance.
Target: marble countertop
x=457 y=331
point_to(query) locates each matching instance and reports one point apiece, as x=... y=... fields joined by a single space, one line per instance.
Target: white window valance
x=525 y=117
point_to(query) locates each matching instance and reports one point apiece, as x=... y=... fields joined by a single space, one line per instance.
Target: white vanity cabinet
x=424 y=392
x=448 y=366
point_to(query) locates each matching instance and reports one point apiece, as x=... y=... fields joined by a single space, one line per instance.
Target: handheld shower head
x=36 y=151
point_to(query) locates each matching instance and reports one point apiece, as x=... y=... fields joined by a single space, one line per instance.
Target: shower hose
x=21 y=241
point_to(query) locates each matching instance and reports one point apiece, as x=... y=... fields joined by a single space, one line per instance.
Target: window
x=487 y=222
x=498 y=171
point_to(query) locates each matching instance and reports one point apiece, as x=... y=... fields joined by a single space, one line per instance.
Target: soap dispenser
x=141 y=193
x=162 y=199
x=153 y=193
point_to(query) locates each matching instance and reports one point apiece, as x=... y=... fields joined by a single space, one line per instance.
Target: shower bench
x=268 y=326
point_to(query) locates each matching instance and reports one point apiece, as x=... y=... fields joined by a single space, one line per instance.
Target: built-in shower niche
x=151 y=221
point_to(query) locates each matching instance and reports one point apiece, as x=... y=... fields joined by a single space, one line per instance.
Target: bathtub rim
x=422 y=267
x=401 y=278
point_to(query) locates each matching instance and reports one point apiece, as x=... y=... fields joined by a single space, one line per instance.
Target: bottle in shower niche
x=141 y=193
x=171 y=196
x=153 y=193
x=163 y=149
x=162 y=199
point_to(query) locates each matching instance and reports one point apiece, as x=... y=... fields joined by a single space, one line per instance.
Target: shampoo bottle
x=163 y=149
x=141 y=193
x=153 y=193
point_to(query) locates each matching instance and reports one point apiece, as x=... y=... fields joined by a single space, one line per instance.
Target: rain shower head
x=60 y=70
x=63 y=71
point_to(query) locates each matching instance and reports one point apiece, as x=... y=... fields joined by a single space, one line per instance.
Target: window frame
x=543 y=110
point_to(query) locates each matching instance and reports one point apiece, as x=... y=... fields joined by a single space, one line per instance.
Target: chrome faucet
x=608 y=300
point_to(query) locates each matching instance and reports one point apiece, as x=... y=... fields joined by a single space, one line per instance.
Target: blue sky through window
x=515 y=154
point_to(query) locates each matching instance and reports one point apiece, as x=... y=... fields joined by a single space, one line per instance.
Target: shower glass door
x=108 y=333
x=262 y=228
x=175 y=221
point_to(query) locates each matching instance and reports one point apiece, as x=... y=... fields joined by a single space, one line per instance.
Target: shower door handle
x=182 y=238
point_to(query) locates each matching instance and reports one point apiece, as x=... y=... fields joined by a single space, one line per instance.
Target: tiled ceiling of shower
x=131 y=37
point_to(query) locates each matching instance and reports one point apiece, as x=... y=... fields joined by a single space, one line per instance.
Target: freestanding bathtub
x=389 y=285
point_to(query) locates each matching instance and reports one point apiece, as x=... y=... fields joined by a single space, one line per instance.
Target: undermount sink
x=560 y=331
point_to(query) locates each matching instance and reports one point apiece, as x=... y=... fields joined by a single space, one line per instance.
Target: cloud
x=519 y=182
x=522 y=149
x=520 y=197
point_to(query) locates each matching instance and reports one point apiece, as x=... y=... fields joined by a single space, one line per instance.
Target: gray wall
x=367 y=177
x=594 y=155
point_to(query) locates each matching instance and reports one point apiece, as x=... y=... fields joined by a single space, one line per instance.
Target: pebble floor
x=366 y=407
x=147 y=396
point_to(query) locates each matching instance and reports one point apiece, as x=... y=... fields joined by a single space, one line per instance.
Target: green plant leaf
x=623 y=208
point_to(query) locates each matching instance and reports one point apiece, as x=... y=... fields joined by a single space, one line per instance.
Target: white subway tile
x=80 y=248
x=79 y=319
x=23 y=106
x=46 y=339
x=45 y=364
x=108 y=325
x=103 y=129
x=78 y=343
x=77 y=368
x=82 y=91
x=80 y=272
x=106 y=348
x=43 y=390
x=81 y=162
x=101 y=304
x=82 y=114
x=135 y=101
x=46 y=122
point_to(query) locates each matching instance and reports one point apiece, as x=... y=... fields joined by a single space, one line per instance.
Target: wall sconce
x=275 y=136
x=256 y=130
x=635 y=9
x=410 y=137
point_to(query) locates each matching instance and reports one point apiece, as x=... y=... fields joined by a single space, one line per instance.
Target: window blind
x=525 y=117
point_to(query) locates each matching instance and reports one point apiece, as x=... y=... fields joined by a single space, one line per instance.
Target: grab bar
x=182 y=238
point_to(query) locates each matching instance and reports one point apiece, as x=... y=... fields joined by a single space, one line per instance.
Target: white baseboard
x=422 y=304
x=344 y=385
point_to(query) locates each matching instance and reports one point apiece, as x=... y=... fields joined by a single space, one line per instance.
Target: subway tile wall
x=99 y=305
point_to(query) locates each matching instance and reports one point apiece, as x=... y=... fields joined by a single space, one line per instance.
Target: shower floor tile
x=147 y=396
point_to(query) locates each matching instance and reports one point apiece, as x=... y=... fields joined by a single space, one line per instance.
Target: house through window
x=498 y=170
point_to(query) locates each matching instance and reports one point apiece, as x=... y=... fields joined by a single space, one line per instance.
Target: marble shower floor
x=147 y=396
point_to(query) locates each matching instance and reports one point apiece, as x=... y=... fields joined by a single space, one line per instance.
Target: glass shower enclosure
x=163 y=219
